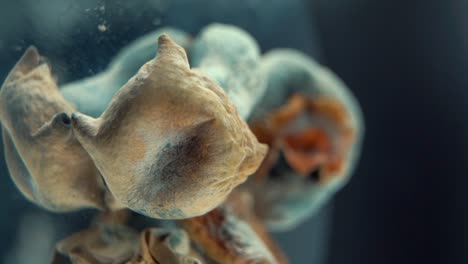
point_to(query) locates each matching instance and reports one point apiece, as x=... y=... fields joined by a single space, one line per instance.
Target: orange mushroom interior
x=311 y=149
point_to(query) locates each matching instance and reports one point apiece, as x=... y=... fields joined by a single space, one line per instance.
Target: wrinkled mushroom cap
x=314 y=126
x=45 y=161
x=170 y=144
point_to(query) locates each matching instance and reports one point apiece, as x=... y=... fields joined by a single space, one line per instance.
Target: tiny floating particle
x=102 y=27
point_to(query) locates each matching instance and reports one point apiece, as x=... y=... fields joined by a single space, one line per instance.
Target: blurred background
x=406 y=62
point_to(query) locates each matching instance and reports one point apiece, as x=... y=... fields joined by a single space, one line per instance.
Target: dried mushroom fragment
x=232 y=234
x=46 y=162
x=313 y=127
x=160 y=246
x=103 y=244
x=232 y=58
x=170 y=144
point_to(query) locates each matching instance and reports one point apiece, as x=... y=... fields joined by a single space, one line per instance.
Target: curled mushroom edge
x=46 y=162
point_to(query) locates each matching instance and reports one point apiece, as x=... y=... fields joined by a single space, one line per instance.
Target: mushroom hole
x=163 y=237
x=314 y=176
x=65 y=119
x=62 y=119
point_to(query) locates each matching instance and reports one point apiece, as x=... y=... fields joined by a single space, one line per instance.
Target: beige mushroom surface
x=170 y=144
x=46 y=162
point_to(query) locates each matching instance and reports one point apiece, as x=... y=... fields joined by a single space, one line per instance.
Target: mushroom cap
x=170 y=144
x=314 y=127
x=45 y=160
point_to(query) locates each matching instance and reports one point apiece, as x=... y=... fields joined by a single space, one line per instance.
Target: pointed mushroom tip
x=33 y=59
x=32 y=49
x=31 y=55
x=29 y=61
x=163 y=39
x=169 y=49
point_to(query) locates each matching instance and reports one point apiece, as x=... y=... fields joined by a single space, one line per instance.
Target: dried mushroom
x=45 y=160
x=299 y=131
x=102 y=244
x=232 y=234
x=170 y=144
x=313 y=127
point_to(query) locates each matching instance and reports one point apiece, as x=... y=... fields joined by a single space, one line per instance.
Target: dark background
x=406 y=62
